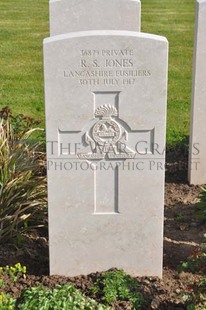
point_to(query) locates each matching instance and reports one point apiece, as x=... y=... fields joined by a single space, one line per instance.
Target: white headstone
x=105 y=113
x=197 y=158
x=82 y=15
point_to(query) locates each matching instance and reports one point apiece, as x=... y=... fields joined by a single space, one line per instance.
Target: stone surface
x=82 y=15
x=197 y=158
x=106 y=112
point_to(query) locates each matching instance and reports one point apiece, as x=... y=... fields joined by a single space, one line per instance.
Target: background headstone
x=105 y=97
x=81 y=15
x=197 y=158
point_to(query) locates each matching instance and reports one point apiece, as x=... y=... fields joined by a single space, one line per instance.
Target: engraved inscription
x=107 y=67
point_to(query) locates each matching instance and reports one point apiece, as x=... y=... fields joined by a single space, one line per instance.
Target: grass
x=174 y=20
x=24 y=24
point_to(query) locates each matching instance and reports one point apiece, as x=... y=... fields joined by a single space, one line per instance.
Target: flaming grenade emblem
x=106 y=137
x=106 y=130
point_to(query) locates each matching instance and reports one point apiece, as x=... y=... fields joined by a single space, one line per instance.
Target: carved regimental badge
x=106 y=131
x=107 y=137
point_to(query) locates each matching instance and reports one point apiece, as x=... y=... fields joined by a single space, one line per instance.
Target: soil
x=182 y=235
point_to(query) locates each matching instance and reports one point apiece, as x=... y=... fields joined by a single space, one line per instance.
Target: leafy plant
x=118 y=286
x=62 y=297
x=7 y=302
x=15 y=271
x=23 y=204
x=197 y=297
x=197 y=261
x=201 y=206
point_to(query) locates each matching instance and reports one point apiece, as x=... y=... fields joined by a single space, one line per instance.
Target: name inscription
x=107 y=67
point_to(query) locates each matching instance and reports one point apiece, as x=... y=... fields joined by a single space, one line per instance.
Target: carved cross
x=109 y=139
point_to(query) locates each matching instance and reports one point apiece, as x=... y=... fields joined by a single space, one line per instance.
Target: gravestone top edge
x=201 y=1
x=105 y=33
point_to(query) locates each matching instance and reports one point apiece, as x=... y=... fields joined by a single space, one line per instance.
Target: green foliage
x=201 y=206
x=65 y=297
x=196 y=263
x=118 y=286
x=7 y=302
x=23 y=204
x=197 y=297
x=15 y=272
